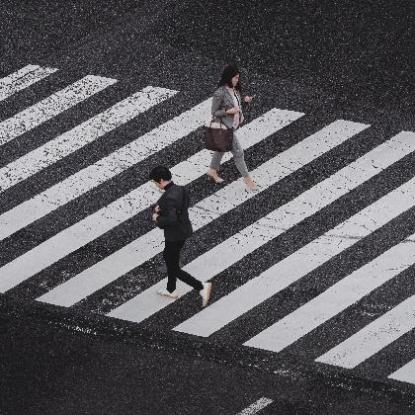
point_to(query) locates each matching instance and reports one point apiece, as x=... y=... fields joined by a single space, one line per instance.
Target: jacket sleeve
x=217 y=100
x=168 y=216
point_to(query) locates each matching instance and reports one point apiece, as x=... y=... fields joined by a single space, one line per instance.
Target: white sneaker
x=205 y=293
x=166 y=293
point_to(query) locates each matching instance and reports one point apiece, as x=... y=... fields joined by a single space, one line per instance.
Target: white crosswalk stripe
x=337 y=298
x=405 y=373
x=256 y=406
x=50 y=107
x=103 y=170
x=374 y=337
x=22 y=79
x=81 y=135
x=138 y=200
x=46 y=253
x=304 y=260
x=275 y=223
x=231 y=198
x=226 y=199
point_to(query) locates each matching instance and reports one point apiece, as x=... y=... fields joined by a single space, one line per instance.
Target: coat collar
x=168 y=186
x=230 y=94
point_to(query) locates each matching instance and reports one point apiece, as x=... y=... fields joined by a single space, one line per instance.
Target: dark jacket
x=174 y=216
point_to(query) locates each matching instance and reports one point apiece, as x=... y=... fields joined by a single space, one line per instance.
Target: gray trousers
x=238 y=156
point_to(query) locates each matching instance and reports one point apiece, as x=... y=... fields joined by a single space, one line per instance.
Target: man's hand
x=155 y=216
x=248 y=99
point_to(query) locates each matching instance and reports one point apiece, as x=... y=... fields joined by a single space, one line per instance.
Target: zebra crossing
x=22 y=79
x=67 y=293
x=81 y=135
x=207 y=211
x=53 y=105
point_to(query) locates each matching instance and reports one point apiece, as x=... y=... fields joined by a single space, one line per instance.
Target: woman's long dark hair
x=228 y=73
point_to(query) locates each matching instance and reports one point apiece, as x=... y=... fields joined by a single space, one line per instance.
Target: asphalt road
x=47 y=369
x=362 y=51
x=328 y=61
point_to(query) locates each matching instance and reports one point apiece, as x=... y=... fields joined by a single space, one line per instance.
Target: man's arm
x=168 y=216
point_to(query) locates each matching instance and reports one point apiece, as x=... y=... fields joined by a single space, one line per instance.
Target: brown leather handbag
x=218 y=137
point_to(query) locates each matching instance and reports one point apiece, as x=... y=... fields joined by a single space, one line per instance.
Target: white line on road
x=104 y=169
x=256 y=406
x=82 y=135
x=129 y=205
x=374 y=337
x=405 y=374
x=50 y=107
x=118 y=161
x=337 y=298
x=304 y=260
x=203 y=213
x=22 y=79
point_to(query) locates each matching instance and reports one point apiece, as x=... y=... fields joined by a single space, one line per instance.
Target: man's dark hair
x=228 y=73
x=160 y=173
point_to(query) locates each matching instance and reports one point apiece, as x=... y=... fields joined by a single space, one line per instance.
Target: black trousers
x=171 y=255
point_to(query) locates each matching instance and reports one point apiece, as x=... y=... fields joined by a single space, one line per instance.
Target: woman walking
x=227 y=109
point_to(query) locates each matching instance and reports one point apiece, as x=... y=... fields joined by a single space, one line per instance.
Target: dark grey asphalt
x=359 y=52
x=50 y=369
x=340 y=60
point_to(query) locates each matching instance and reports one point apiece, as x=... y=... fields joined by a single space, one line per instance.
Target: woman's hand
x=248 y=99
x=232 y=111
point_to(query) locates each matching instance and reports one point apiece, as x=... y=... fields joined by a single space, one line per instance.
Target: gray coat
x=221 y=102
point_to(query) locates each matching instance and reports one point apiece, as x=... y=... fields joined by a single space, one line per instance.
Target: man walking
x=170 y=213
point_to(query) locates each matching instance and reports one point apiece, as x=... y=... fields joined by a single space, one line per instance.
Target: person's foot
x=205 y=293
x=166 y=293
x=250 y=184
x=213 y=174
